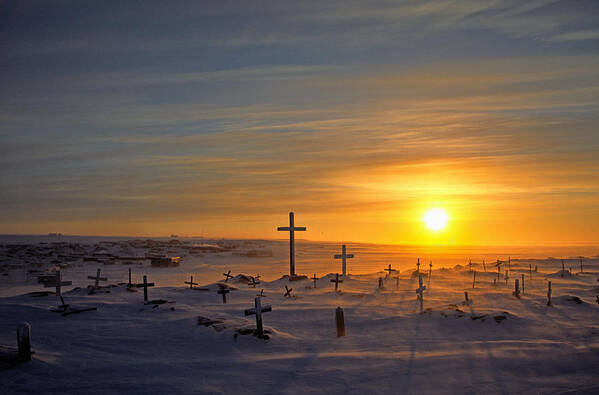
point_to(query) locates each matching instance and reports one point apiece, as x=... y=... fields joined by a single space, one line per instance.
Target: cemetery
x=399 y=326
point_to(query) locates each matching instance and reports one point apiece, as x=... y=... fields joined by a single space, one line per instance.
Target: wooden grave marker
x=145 y=286
x=227 y=276
x=336 y=281
x=257 y=311
x=314 y=278
x=420 y=292
x=389 y=271
x=223 y=291
x=190 y=282
x=97 y=279
x=343 y=256
x=288 y=292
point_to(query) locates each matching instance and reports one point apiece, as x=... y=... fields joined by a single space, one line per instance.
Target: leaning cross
x=227 y=276
x=190 y=282
x=291 y=229
x=97 y=278
x=58 y=284
x=390 y=271
x=336 y=281
x=258 y=310
x=288 y=292
x=145 y=285
x=343 y=256
x=420 y=291
x=253 y=282
x=314 y=278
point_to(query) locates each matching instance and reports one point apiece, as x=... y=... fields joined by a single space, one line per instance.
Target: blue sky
x=216 y=118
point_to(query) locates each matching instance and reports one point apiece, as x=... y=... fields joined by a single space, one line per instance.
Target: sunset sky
x=146 y=118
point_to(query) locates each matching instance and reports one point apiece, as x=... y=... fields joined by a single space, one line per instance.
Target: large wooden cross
x=258 y=310
x=336 y=281
x=190 y=282
x=97 y=278
x=145 y=286
x=58 y=283
x=253 y=282
x=420 y=291
x=343 y=256
x=291 y=229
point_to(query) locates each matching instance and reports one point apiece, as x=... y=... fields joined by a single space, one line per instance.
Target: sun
x=436 y=219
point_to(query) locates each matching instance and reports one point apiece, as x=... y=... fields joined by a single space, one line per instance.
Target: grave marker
x=288 y=292
x=340 y=322
x=227 y=276
x=381 y=285
x=314 y=278
x=129 y=285
x=58 y=283
x=420 y=292
x=522 y=283
x=253 y=283
x=466 y=300
x=24 y=341
x=336 y=281
x=549 y=293
x=507 y=277
x=343 y=256
x=470 y=265
x=258 y=310
x=484 y=267
x=145 y=286
x=430 y=273
x=291 y=229
x=418 y=267
x=516 y=292
x=389 y=270
x=474 y=280
x=97 y=279
x=223 y=291
x=190 y=282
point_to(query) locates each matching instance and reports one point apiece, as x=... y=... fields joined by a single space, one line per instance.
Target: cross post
x=145 y=286
x=336 y=281
x=97 y=278
x=291 y=229
x=190 y=282
x=420 y=291
x=58 y=283
x=314 y=278
x=343 y=256
x=258 y=310
x=389 y=271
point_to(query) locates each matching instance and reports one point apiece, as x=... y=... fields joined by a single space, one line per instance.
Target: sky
x=217 y=118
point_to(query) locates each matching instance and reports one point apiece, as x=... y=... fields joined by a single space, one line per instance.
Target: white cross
x=343 y=256
x=58 y=283
x=97 y=278
x=258 y=310
x=420 y=291
x=291 y=229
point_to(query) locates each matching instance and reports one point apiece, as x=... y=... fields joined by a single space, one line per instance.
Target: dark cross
x=389 y=270
x=58 y=283
x=253 y=282
x=314 y=278
x=190 y=282
x=418 y=266
x=336 y=281
x=227 y=276
x=498 y=264
x=145 y=285
x=430 y=272
x=420 y=292
x=97 y=278
x=291 y=229
x=258 y=310
x=223 y=291
x=343 y=256
x=288 y=291
x=261 y=294
x=129 y=284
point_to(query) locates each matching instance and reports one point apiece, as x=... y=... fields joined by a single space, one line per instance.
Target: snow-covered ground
x=495 y=344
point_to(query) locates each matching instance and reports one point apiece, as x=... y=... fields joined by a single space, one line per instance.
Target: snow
x=495 y=344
